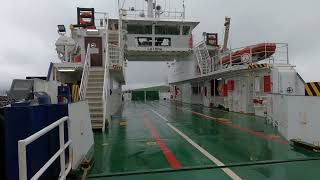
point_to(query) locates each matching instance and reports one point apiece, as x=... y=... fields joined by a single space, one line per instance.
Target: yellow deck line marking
x=216 y=161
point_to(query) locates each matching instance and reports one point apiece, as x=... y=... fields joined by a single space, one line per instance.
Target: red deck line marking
x=235 y=126
x=174 y=163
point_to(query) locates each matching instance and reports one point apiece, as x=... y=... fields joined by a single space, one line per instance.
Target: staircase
x=203 y=58
x=94 y=95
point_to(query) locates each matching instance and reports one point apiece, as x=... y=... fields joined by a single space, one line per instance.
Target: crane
x=226 y=33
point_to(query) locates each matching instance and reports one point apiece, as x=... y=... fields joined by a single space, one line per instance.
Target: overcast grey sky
x=28 y=32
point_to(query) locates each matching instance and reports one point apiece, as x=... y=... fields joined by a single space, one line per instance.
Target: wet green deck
x=141 y=145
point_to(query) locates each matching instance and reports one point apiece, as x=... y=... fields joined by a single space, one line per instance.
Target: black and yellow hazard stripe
x=117 y=67
x=312 y=89
x=75 y=93
x=257 y=66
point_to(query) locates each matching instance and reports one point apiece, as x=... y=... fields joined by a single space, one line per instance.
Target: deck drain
x=152 y=143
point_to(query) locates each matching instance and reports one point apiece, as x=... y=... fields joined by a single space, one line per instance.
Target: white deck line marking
x=228 y=171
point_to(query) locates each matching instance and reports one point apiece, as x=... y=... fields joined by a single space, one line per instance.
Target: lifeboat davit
x=258 y=52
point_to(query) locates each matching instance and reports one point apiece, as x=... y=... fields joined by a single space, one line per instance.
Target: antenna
x=184 y=9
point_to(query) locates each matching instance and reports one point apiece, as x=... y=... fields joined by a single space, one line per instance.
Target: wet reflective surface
x=140 y=141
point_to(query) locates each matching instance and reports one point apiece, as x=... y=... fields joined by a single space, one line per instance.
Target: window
x=144 y=41
x=163 y=42
x=139 y=29
x=186 y=30
x=167 y=30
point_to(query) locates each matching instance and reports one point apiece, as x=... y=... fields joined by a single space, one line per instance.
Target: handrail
x=203 y=57
x=22 y=151
x=85 y=74
x=105 y=82
x=174 y=15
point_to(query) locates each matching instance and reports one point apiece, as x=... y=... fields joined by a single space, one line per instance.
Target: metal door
x=96 y=44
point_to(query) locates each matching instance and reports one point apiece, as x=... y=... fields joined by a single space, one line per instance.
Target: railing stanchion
x=265 y=50
x=250 y=54
x=22 y=160
x=287 y=46
x=62 y=155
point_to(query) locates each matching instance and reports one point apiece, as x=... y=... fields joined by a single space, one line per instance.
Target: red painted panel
x=230 y=85
x=267 y=83
x=190 y=43
x=225 y=90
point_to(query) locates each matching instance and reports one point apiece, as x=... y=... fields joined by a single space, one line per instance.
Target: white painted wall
x=298 y=117
x=164 y=95
x=182 y=69
x=116 y=101
x=284 y=77
x=206 y=99
x=80 y=132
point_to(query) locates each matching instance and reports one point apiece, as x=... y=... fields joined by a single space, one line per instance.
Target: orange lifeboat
x=258 y=52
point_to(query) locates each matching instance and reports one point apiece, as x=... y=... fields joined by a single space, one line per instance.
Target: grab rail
x=22 y=151
x=85 y=75
x=105 y=82
x=203 y=58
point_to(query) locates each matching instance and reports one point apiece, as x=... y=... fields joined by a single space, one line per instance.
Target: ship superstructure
x=257 y=79
x=92 y=58
x=242 y=113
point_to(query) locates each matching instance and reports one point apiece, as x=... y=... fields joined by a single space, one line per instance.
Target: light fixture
x=93 y=31
x=61 y=29
x=66 y=69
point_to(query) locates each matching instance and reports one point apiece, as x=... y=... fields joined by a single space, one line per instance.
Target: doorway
x=96 y=57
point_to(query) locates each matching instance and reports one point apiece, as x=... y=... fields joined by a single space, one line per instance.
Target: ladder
x=203 y=58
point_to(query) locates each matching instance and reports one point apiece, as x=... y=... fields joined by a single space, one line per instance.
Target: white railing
x=100 y=19
x=85 y=74
x=279 y=56
x=114 y=55
x=136 y=14
x=64 y=168
x=105 y=81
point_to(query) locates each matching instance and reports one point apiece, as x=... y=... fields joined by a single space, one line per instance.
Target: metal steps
x=203 y=58
x=94 y=96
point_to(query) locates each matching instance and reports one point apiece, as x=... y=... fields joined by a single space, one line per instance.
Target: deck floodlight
x=66 y=69
x=61 y=29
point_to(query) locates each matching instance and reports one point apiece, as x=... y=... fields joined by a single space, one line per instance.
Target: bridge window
x=167 y=30
x=163 y=42
x=139 y=29
x=186 y=30
x=144 y=41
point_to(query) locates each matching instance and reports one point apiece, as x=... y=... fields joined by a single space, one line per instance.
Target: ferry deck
x=163 y=140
